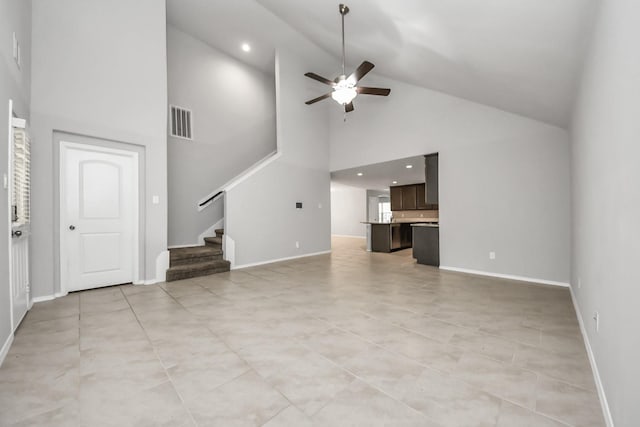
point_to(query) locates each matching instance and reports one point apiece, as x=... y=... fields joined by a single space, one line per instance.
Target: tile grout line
x=155 y=351
x=250 y=367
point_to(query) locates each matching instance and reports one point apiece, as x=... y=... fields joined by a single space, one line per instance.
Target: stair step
x=180 y=272
x=193 y=255
x=213 y=241
x=219 y=232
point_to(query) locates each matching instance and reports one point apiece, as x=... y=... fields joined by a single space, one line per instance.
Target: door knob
x=72 y=227
x=16 y=233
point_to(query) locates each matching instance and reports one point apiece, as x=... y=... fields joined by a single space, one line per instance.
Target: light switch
x=156 y=200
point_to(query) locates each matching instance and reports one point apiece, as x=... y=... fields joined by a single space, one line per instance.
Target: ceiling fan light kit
x=345 y=89
x=343 y=93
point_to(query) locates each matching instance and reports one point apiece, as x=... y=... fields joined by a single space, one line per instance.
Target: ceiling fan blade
x=373 y=91
x=348 y=107
x=321 y=79
x=360 y=72
x=320 y=98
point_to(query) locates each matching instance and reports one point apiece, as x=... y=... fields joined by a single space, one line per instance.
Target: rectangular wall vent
x=180 y=122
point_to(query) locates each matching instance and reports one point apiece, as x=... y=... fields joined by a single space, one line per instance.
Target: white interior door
x=19 y=218
x=98 y=216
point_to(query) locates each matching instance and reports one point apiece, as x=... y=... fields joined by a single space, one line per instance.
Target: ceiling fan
x=345 y=89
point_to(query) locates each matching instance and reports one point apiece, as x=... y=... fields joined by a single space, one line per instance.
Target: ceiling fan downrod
x=344 y=9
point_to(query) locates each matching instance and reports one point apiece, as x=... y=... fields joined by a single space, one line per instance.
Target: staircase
x=198 y=261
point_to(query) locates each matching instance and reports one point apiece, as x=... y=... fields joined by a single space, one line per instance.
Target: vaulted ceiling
x=522 y=56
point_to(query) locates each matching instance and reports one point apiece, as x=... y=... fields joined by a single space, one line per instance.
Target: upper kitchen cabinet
x=409 y=197
x=404 y=197
x=396 y=198
x=431 y=178
x=421 y=196
x=418 y=196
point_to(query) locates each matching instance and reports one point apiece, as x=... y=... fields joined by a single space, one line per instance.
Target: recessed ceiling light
x=360 y=173
x=394 y=182
x=246 y=47
x=409 y=166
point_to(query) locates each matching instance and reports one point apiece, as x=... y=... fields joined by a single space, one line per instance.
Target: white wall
x=348 y=210
x=15 y=15
x=504 y=179
x=605 y=154
x=99 y=70
x=261 y=217
x=234 y=123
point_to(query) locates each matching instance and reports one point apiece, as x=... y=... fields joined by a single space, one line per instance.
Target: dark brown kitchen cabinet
x=409 y=197
x=431 y=175
x=396 y=198
x=404 y=197
x=390 y=237
x=421 y=196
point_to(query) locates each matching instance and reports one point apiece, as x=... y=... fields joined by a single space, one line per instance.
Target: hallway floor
x=347 y=339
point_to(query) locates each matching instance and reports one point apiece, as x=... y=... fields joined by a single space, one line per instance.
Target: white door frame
x=7 y=180
x=65 y=145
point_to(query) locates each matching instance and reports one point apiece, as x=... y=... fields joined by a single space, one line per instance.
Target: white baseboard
x=48 y=297
x=349 y=235
x=43 y=299
x=144 y=282
x=506 y=276
x=255 y=264
x=5 y=348
x=162 y=265
x=606 y=412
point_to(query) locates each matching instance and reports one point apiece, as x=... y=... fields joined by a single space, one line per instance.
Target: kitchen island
x=388 y=236
x=426 y=243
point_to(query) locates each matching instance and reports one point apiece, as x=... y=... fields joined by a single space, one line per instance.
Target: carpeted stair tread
x=197 y=269
x=219 y=232
x=213 y=241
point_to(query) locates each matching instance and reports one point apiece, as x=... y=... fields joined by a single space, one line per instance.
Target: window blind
x=21 y=191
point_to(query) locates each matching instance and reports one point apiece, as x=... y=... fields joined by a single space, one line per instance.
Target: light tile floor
x=347 y=339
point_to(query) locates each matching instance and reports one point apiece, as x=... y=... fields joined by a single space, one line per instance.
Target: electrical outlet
x=596 y=318
x=297 y=244
x=492 y=255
